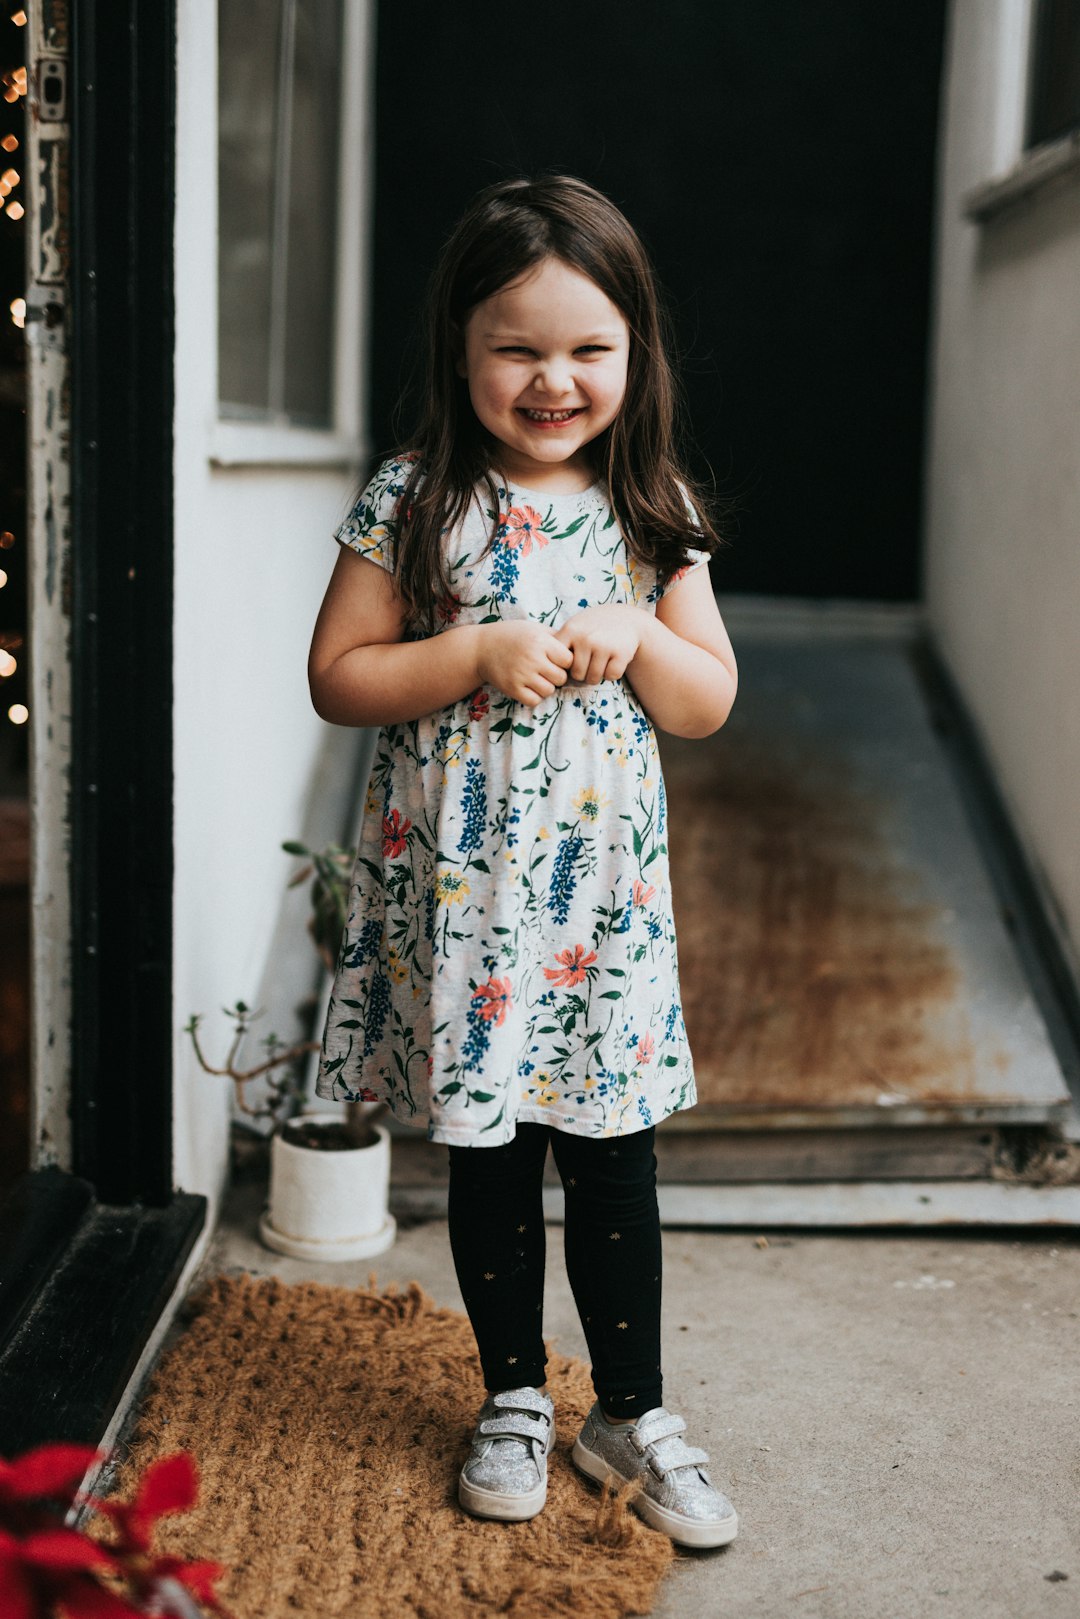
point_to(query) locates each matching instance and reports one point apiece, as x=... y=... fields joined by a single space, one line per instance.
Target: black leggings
x=613 y=1257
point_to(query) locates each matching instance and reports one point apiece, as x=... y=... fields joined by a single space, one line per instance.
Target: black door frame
x=90 y=1258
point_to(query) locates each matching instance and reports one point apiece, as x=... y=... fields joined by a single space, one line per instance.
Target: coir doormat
x=329 y=1425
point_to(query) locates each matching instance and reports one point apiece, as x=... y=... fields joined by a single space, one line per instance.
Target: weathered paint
x=48 y=543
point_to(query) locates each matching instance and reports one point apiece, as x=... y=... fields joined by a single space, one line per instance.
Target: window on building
x=1054 y=108
x=279 y=116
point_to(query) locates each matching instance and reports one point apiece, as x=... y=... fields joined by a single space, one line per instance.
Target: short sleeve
x=369 y=529
x=698 y=557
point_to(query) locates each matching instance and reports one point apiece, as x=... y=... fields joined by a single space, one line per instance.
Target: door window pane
x=1055 y=72
x=279 y=93
x=313 y=170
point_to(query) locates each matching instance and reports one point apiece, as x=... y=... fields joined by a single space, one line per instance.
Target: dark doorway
x=778 y=159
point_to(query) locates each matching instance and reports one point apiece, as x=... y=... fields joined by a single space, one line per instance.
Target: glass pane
x=249 y=35
x=1055 y=79
x=313 y=183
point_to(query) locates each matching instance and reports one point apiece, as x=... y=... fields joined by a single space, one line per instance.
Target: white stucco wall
x=253 y=555
x=1003 y=488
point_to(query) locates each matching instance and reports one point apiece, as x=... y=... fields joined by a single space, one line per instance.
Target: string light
x=19 y=19
x=18 y=312
x=8 y=664
x=14 y=84
x=3 y=578
x=9 y=178
x=10 y=143
x=15 y=210
x=18 y=713
x=7 y=540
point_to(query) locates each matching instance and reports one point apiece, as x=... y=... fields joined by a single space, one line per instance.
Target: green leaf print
x=524 y=730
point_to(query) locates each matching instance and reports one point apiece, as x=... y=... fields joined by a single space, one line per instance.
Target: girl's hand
x=603 y=641
x=523 y=658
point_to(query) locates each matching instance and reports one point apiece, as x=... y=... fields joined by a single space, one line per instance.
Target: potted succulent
x=329 y=1176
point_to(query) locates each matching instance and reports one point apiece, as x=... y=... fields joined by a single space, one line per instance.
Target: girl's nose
x=554 y=378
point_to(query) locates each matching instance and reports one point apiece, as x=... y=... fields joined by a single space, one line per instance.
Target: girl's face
x=545 y=358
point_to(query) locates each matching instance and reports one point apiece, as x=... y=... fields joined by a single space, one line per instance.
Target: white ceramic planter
x=329 y=1205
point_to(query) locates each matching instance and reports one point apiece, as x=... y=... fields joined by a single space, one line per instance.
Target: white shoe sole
x=509 y=1508
x=685 y=1531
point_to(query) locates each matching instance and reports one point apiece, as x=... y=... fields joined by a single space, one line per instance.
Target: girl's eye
x=513 y=348
x=593 y=348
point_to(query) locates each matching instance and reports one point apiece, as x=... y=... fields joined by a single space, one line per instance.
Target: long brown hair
x=509 y=228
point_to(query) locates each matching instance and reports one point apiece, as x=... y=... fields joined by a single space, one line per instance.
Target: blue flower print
x=474 y=805
x=562 y=876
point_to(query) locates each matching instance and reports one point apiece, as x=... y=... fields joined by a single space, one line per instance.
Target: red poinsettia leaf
x=201 y=1578
x=64 y=1551
x=169 y=1485
x=17 y=1596
x=46 y=1470
x=83 y=1598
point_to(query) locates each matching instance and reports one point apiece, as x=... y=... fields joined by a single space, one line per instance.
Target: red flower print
x=448 y=609
x=496 y=993
x=643 y=895
x=479 y=703
x=520 y=527
x=393 y=833
x=645 y=1047
x=574 y=963
x=430 y=1066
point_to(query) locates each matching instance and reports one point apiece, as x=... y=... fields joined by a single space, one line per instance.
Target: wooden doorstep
x=933 y=1153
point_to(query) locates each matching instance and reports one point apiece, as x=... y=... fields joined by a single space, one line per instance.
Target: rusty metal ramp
x=843 y=956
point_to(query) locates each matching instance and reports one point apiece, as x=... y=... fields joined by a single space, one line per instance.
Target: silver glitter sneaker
x=677 y=1496
x=505 y=1475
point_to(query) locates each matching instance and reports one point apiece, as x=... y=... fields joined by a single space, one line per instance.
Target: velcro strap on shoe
x=672 y=1453
x=514 y=1422
x=661 y=1428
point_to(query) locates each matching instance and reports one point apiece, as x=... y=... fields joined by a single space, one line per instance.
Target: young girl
x=520 y=597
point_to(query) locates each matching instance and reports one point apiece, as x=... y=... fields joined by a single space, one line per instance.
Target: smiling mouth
x=551 y=418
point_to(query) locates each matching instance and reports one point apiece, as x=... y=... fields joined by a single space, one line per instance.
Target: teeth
x=550 y=415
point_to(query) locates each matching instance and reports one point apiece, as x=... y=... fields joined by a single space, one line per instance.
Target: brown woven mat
x=329 y=1425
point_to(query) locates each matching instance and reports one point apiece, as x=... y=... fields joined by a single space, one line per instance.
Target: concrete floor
x=895 y=1417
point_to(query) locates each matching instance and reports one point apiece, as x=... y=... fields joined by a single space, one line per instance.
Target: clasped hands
x=527 y=661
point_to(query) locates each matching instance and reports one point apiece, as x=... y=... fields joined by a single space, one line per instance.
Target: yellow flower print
x=590 y=803
x=450 y=888
x=542 y=832
x=589 y=1082
x=398 y=970
x=372 y=802
x=544 y=1091
x=376 y=535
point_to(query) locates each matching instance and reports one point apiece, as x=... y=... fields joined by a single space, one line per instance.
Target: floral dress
x=509 y=953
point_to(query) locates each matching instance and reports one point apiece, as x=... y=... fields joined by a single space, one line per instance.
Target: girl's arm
x=361 y=672
x=684 y=672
